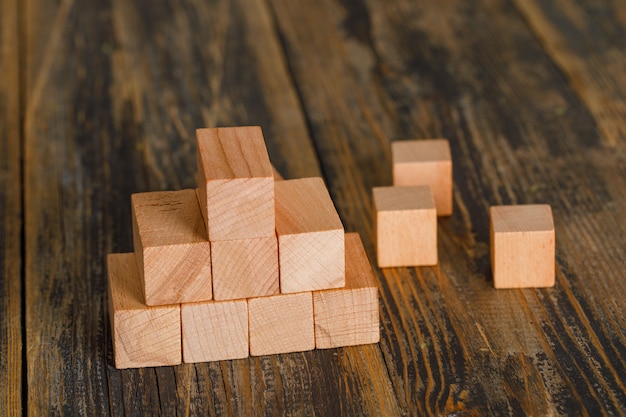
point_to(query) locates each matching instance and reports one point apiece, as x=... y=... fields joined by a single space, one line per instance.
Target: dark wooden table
x=100 y=99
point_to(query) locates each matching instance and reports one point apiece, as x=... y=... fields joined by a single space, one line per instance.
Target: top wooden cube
x=522 y=246
x=425 y=162
x=236 y=183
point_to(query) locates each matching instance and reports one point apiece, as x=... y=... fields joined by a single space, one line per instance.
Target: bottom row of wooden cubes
x=219 y=330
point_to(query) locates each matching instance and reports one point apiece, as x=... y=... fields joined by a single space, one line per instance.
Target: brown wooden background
x=100 y=99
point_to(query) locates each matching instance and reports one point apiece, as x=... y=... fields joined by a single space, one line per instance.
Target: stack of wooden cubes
x=243 y=265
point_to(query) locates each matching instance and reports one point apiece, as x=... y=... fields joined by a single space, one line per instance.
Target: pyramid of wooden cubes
x=243 y=265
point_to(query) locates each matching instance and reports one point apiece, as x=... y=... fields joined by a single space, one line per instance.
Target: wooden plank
x=172 y=247
x=310 y=237
x=142 y=336
x=10 y=215
x=522 y=246
x=588 y=47
x=400 y=69
x=406 y=226
x=236 y=183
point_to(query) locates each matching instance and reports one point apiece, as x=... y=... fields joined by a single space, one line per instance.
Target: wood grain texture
x=586 y=43
x=349 y=316
x=245 y=268
x=414 y=69
x=425 y=162
x=214 y=330
x=406 y=226
x=113 y=91
x=281 y=323
x=11 y=283
x=236 y=184
x=521 y=243
x=310 y=237
x=143 y=336
x=172 y=247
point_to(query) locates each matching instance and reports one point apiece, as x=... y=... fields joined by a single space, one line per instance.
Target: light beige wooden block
x=522 y=246
x=281 y=324
x=172 y=247
x=214 y=330
x=406 y=226
x=236 y=183
x=310 y=237
x=425 y=162
x=245 y=268
x=142 y=335
x=349 y=316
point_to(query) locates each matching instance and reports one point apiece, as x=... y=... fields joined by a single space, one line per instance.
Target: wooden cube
x=349 y=316
x=310 y=237
x=425 y=162
x=172 y=247
x=522 y=246
x=236 y=183
x=142 y=335
x=214 y=330
x=245 y=268
x=281 y=324
x=406 y=226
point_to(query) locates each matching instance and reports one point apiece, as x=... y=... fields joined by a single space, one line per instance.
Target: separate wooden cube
x=425 y=162
x=281 y=324
x=236 y=183
x=522 y=246
x=349 y=316
x=214 y=330
x=245 y=268
x=142 y=336
x=172 y=247
x=310 y=237
x=406 y=226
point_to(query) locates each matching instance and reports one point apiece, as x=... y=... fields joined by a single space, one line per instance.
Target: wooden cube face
x=142 y=335
x=214 y=330
x=522 y=246
x=349 y=316
x=406 y=226
x=281 y=324
x=236 y=183
x=425 y=162
x=245 y=268
x=310 y=237
x=172 y=247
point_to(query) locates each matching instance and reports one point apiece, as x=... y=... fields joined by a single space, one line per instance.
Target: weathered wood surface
x=10 y=215
x=530 y=94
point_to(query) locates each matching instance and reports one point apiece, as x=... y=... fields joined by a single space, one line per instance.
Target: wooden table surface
x=101 y=99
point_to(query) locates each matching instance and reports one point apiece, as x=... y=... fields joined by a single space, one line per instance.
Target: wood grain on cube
x=310 y=237
x=425 y=162
x=281 y=324
x=172 y=247
x=349 y=316
x=522 y=246
x=214 y=330
x=236 y=183
x=142 y=335
x=406 y=226
x=245 y=268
